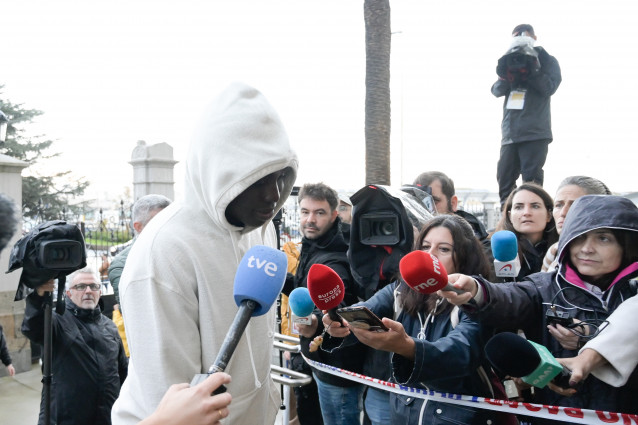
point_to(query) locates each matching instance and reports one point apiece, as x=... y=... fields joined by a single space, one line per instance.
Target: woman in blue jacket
x=435 y=346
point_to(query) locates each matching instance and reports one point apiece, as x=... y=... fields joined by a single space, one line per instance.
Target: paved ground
x=20 y=398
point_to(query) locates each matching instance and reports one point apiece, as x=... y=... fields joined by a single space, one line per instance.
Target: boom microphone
x=505 y=251
x=258 y=281
x=326 y=289
x=424 y=273
x=301 y=305
x=515 y=356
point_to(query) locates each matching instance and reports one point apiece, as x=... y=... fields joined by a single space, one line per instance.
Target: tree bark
x=377 y=102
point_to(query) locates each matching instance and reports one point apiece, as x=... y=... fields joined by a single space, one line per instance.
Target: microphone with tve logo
x=258 y=281
x=424 y=273
x=505 y=252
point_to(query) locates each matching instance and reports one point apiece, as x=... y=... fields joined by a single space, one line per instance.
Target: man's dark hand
x=534 y=67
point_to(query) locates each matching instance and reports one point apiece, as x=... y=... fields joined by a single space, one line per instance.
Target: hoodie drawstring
x=252 y=360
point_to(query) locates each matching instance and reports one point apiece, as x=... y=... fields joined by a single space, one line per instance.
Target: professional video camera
x=519 y=62
x=49 y=251
x=382 y=232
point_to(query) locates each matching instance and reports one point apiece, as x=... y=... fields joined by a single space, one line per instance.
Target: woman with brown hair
x=433 y=345
x=528 y=213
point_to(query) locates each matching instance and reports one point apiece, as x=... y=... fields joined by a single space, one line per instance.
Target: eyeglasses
x=82 y=286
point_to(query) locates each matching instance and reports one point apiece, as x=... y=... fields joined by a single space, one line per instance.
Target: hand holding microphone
x=182 y=404
x=515 y=356
x=326 y=290
x=301 y=306
x=336 y=329
x=424 y=273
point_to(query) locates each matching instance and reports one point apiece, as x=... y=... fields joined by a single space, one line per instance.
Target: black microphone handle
x=233 y=336
x=332 y=313
x=231 y=340
x=449 y=287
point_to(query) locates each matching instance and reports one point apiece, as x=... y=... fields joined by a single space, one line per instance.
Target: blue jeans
x=377 y=404
x=340 y=405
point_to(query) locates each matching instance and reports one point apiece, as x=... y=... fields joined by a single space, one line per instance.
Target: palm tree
x=376 y=14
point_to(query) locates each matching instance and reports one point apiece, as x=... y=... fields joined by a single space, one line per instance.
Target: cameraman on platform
x=89 y=363
x=527 y=76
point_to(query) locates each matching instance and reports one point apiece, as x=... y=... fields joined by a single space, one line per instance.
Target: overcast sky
x=107 y=74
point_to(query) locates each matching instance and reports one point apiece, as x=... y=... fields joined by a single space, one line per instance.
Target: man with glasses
x=89 y=363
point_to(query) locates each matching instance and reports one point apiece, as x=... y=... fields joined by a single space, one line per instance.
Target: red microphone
x=326 y=289
x=424 y=273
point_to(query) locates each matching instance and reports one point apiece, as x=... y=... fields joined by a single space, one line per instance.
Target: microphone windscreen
x=512 y=354
x=423 y=272
x=504 y=245
x=325 y=287
x=260 y=277
x=300 y=302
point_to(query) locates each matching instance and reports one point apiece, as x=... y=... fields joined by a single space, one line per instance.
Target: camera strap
x=59 y=305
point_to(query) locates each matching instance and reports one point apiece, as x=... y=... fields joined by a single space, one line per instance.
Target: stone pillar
x=11 y=313
x=153 y=170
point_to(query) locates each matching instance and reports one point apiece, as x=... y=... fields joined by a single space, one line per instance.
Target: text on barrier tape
x=570 y=414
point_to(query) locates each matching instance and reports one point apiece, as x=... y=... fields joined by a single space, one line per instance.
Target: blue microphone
x=260 y=278
x=505 y=251
x=258 y=281
x=301 y=305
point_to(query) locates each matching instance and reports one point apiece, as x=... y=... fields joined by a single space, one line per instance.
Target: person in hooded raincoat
x=177 y=288
x=598 y=264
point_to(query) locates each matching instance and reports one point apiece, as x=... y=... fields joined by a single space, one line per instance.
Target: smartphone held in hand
x=362 y=318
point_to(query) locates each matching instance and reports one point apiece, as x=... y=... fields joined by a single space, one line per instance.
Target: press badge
x=516 y=99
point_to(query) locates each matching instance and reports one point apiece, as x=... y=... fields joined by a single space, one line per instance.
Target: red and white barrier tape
x=558 y=413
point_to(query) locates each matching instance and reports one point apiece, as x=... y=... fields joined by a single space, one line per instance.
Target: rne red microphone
x=326 y=289
x=424 y=273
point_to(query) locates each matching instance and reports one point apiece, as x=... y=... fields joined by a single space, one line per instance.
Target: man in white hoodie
x=177 y=288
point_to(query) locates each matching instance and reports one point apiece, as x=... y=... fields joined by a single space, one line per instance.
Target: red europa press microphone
x=326 y=289
x=424 y=273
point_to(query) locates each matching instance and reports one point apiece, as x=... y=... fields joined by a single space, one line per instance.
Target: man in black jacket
x=89 y=363
x=323 y=243
x=527 y=76
x=446 y=202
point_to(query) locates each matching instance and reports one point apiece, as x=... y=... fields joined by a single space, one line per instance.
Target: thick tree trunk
x=377 y=104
